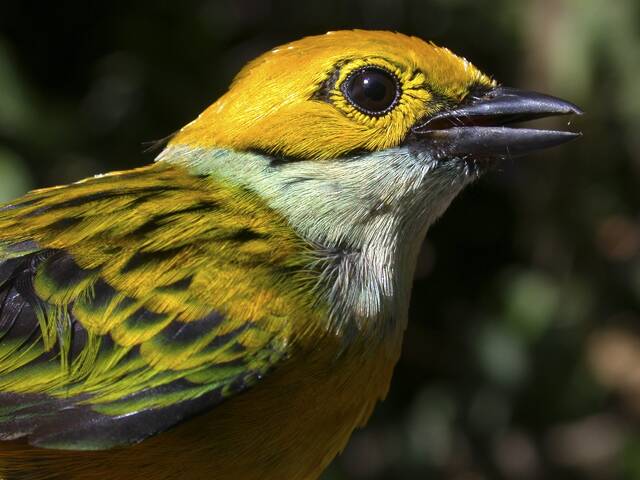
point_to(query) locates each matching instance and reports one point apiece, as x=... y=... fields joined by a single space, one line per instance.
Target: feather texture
x=132 y=301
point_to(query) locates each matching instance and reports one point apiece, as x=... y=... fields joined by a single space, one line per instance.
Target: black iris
x=372 y=90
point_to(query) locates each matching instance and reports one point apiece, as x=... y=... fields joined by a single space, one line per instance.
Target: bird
x=235 y=309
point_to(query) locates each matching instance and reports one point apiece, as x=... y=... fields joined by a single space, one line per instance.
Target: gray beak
x=478 y=127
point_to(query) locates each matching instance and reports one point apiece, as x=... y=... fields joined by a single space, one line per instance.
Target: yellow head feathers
x=293 y=100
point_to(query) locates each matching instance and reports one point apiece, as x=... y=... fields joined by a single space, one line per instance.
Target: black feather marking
x=237 y=348
x=104 y=195
x=157 y=221
x=184 y=333
x=323 y=93
x=103 y=295
x=64 y=272
x=76 y=202
x=124 y=304
x=178 y=286
x=246 y=234
x=226 y=338
x=65 y=223
x=143 y=318
x=140 y=259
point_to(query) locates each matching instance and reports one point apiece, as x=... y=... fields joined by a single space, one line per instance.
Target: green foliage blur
x=522 y=358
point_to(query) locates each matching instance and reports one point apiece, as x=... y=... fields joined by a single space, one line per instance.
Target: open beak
x=478 y=127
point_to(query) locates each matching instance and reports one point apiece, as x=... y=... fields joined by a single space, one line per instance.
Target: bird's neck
x=366 y=224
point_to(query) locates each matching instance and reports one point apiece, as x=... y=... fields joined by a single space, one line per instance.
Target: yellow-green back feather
x=151 y=293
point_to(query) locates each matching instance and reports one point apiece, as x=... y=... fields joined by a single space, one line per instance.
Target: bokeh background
x=522 y=359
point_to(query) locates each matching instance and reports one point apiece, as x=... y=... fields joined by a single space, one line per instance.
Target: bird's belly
x=289 y=426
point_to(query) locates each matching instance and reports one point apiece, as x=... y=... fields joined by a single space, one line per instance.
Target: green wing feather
x=131 y=301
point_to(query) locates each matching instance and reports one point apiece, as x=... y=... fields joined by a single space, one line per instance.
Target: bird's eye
x=372 y=90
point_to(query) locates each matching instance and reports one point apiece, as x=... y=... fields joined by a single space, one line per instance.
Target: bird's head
x=334 y=95
x=362 y=138
x=349 y=92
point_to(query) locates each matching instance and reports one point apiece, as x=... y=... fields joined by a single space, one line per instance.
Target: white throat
x=366 y=215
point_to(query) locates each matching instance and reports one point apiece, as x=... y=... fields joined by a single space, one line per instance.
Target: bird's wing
x=132 y=301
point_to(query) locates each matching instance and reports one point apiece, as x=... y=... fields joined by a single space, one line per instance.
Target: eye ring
x=372 y=90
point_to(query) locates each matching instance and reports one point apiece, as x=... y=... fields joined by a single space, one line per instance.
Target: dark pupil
x=372 y=90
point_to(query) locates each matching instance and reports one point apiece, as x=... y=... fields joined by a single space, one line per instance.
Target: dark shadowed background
x=522 y=358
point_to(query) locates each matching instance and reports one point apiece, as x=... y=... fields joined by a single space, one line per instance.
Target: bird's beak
x=478 y=128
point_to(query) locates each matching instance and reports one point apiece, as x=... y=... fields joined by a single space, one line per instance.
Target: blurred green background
x=522 y=358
